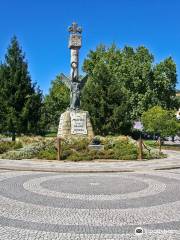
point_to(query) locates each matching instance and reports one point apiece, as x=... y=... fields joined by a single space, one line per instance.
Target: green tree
x=32 y=111
x=164 y=83
x=55 y=103
x=18 y=93
x=135 y=73
x=104 y=96
x=125 y=79
x=160 y=121
x=3 y=106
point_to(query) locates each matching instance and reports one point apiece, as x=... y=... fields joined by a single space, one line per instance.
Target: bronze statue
x=75 y=89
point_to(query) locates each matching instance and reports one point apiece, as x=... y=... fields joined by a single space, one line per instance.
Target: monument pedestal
x=75 y=123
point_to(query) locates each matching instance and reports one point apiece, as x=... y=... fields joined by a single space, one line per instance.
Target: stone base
x=75 y=123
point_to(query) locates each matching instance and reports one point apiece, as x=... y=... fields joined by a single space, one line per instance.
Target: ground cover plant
x=7 y=146
x=76 y=149
x=30 y=147
x=120 y=148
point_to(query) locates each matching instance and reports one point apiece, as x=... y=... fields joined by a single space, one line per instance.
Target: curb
x=65 y=171
x=29 y=169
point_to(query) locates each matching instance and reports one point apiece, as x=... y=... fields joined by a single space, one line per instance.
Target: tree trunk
x=58 y=148
x=140 y=149
x=13 y=136
x=159 y=145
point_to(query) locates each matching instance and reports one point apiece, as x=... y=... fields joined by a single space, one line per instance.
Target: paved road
x=102 y=206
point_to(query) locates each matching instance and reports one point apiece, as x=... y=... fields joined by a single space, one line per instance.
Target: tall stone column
x=75 y=42
x=75 y=62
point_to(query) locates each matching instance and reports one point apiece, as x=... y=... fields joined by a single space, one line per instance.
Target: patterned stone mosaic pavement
x=103 y=206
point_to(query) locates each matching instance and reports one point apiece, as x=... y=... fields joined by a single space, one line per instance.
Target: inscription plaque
x=78 y=123
x=75 y=41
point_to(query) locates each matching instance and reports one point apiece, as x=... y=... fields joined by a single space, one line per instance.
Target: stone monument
x=74 y=121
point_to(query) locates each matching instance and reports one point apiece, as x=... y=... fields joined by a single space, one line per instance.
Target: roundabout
x=36 y=205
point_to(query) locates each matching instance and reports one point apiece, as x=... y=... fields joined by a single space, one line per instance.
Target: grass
x=51 y=134
x=171 y=147
x=154 y=144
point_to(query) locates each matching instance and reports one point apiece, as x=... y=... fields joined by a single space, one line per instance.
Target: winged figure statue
x=75 y=90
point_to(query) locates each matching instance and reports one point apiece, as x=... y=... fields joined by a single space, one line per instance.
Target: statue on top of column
x=74 y=83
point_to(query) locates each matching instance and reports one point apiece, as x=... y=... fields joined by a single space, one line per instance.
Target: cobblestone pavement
x=103 y=206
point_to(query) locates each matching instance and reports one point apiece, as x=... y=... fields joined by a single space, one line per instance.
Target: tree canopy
x=122 y=84
x=104 y=96
x=160 y=121
x=55 y=102
x=21 y=99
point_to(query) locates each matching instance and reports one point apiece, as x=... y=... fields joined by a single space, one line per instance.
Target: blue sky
x=41 y=27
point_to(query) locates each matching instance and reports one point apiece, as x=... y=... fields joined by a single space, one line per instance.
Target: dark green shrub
x=96 y=140
x=78 y=144
x=49 y=154
x=125 y=150
x=66 y=153
x=7 y=146
x=79 y=156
